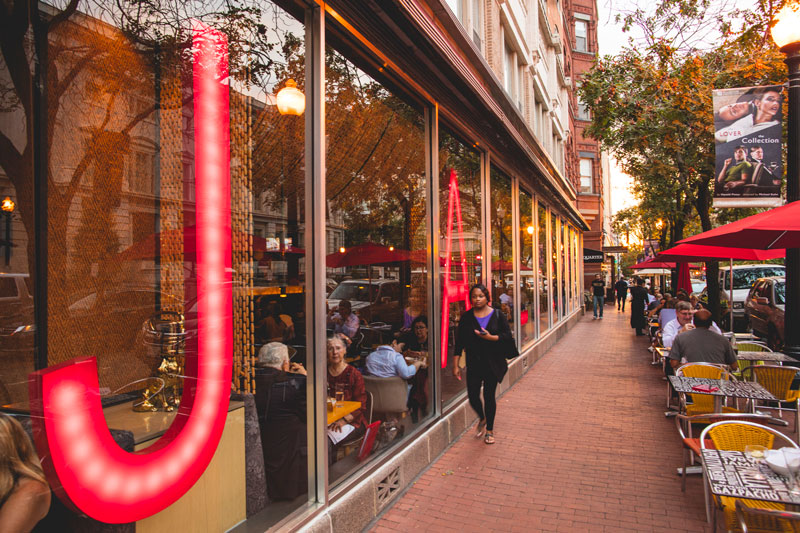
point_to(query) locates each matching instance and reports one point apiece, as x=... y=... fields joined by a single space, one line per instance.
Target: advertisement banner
x=651 y=248
x=747 y=131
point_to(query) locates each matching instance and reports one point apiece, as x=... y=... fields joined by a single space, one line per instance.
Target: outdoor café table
x=730 y=389
x=340 y=411
x=775 y=357
x=731 y=473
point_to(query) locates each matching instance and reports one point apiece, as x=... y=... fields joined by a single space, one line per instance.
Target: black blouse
x=483 y=353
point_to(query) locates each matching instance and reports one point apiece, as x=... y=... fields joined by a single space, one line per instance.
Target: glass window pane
x=554 y=238
x=378 y=308
x=459 y=246
x=527 y=279
x=502 y=265
x=543 y=263
x=126 y=261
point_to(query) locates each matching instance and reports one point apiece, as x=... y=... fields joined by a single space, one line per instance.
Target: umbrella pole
x=730 y=293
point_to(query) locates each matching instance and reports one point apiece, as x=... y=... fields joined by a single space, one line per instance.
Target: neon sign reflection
x=88 y=469
x=453 y=291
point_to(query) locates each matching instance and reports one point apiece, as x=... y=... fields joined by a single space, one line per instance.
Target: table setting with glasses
x=756 y=473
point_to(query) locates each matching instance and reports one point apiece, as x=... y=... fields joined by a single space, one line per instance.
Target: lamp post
x=786 y=34
x=8 y=206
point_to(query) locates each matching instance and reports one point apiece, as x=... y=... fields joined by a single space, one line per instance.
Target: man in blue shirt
x=388 y=362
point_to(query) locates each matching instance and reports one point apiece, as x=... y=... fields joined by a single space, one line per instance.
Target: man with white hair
x=683 y=322
x=281 y=405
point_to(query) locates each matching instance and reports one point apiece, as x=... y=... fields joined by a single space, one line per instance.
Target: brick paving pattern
x=582 y=445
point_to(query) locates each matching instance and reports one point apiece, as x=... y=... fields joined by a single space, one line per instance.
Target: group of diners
x=281 y=397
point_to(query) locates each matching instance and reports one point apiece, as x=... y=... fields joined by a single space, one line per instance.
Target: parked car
x=376 y=300
x=764 y=309
x=743 y=278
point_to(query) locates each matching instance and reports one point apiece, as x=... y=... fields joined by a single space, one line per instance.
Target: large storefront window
x=502 y=251
x=460 y=231
x=175 y=192
x=527 y=279
x=379 y=363
x=554 y=252
x=562 y=232
x=542 y=265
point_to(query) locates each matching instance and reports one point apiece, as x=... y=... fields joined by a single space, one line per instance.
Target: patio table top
x=732 y=473
x=733 y=389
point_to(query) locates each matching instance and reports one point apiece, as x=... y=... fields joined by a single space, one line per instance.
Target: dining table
x=736 y=474
x=720 y=388
x=342 y=409
x=767 y=357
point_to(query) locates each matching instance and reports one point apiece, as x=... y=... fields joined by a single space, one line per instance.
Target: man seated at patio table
x=701 y=345
x=680 y=324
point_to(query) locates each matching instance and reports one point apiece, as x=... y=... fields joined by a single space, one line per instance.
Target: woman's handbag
x=509 y=348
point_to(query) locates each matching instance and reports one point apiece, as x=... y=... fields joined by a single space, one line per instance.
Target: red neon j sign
x=453 y=291
x=78 y=453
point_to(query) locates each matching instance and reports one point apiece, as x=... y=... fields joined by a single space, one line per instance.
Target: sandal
x=481 y=426
x=489 y=438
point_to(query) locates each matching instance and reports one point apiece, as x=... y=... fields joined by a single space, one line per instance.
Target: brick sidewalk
x=582 y=445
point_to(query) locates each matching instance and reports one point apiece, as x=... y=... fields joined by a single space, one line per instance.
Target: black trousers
x=621 y=301
x=486 y=410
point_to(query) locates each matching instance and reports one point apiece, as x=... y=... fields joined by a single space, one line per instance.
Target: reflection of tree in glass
x=375 y=157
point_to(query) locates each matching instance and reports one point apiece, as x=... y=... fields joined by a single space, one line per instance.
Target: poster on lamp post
x=748 y=141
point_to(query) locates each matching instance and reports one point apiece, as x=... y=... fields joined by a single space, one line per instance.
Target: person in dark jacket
x=483 y=333
x=638 y=306
x=281 y=405
x=621 y=288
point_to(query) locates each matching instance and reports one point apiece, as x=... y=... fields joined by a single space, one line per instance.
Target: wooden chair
x=735 y=436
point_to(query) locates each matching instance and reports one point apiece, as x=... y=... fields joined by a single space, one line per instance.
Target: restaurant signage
x=593 y=256
x=748 y=135
x=84 y=465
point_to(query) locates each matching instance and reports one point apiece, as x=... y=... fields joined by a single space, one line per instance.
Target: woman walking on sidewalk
x=482 y=333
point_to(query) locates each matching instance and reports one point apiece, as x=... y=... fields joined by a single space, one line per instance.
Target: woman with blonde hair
x=24 y=493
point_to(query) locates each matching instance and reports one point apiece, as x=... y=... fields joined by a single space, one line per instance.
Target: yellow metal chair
x=778 y=381
x=735 y=436
x=703 y=403
x=754 y=520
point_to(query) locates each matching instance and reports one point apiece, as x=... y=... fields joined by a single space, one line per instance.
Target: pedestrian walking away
x=483 y=336
x=621 y=288
x=638 y=305
x=599 y=292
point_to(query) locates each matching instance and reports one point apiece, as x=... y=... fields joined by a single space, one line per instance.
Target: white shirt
x=670 y=331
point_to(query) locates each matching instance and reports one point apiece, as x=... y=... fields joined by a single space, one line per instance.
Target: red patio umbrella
x=652 y=263
x=368 y=253
x=776 y=228
x=684 y=279
x=701 y=252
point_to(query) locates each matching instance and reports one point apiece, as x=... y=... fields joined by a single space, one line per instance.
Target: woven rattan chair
x=691 y=444
x=703 y=403
x=735 y=436
x=754 y=520
x=748 y=346
x=778 y=381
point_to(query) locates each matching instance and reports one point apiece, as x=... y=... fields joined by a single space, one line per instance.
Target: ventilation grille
x=388 y=487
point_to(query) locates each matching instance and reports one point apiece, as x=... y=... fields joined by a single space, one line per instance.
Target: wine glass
x=756 y=453
x=791 y=457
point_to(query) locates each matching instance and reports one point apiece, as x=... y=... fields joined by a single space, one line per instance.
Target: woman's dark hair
x=482 y=288
x=420 y=318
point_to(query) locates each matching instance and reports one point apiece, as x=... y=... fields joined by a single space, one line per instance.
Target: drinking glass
x=757 y=453
x=339 y=396
x=792 y=458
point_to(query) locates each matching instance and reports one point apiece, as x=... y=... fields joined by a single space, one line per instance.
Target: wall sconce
x=290 y=100
x=8 y=206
